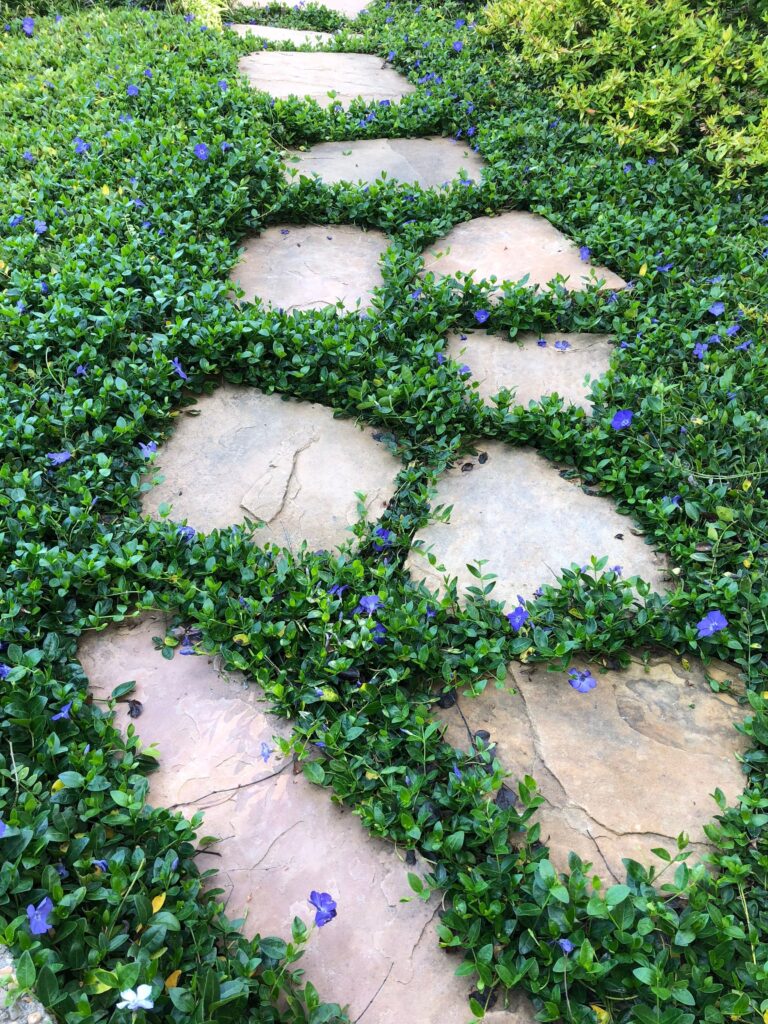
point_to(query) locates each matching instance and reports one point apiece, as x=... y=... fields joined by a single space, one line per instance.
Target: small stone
x=34 y=1018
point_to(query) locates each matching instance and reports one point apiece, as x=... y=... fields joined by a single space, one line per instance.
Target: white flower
x=138 y=1000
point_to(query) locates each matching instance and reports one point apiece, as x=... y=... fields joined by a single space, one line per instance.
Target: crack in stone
x=294 y=463
x=376 y=993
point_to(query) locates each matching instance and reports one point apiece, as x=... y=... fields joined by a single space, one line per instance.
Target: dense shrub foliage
x=133 y=160
x=658 y=75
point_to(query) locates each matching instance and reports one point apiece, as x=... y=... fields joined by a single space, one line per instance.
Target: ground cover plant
x=133 y=160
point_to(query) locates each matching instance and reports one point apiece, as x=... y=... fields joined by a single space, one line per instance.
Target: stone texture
x=529 y=370
x=290 y=465
x=281 y=837
x=24 y=1008
x=349 y=8
x=307 y=267
x=623 y=768
x=430 y=162
x=275 y=34
x=509 y=247
x=516 y=511
x=313 y=75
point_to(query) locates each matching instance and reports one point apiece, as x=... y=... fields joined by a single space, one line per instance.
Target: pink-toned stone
x=282 y=837
x=624 y=768
x=511 y=246
x=529 y=370
x=289 y=465
x=307 y=267
x=346 y=76
x=515 y=511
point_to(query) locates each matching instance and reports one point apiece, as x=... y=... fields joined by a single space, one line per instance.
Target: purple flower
x=584 y=253
x=102 y=865
x=368 y=605
x=58 y=458
x=456 y=772
x=325 y=905
x=440 y=357
x=38 y=916
x=518 y=618
x=582 y=681
x=80 y=145
x=464 y=370
x=717 y=308
x=125 y=119
x=225 y=147
x=458 y=46
x=15 y=219
x=64 y=713
x=542 y=342
x=147 y=72
x=566 y=945
x=459 y=23
x=562 y=346
x=3 y=828
x=223 y=85
x=189 y=18
x=622 y=419
x=482 y=316
x=40 y=227
x=177 y=368
x=712 y=623
x=665 y=267
x=5 y=671
x=733 y=329
x=132 y=90
x=81 y=370
x=417 y=293
x=147 y=449
x=43 y=286
x=386 y=539
x=61 y=871
x=651 y=161
x=616 y=570
x=700 y=349
x=187 y=647
x=379 y=633
x=201 y=151
x=187 y=533
x=28 y=26
x=337 y=590
x=265 y=751
x=743 y=346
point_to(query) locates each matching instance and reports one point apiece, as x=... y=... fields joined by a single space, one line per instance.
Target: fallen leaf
x=173 y=979
x=158 y=902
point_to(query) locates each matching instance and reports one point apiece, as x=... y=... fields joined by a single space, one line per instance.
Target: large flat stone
x=516 y=511
x=430 y=162
x=307 y=267
x=349 y=76
x=624 y=768
x=282 y=837
x=275 y=34
x=531 y=370
x=349 y=8
x=509 y=247
x=290 y=465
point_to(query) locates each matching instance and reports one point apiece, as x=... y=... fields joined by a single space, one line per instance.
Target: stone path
x=515 y=510
x=289 y=464
x=275 y=34
x=305 y=267
x=511 y=246
x=624 y=768
x=430 y=163
x=328 y=78
x=533 y=365
x=349 y=8
x=282 y=837
x=24 y=1010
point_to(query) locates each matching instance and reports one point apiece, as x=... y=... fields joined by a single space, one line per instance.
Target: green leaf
x=25 y=970
x=314 y=771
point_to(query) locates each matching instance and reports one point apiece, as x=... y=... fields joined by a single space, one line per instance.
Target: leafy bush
x=661 y=76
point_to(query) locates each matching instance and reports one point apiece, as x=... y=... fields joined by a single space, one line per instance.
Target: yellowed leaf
x=58 y=784
x=105 y=190
x=643 y=270
x=603 y=1017
x=241 y=638
x=157 y=902
x=746 y=484
x=173 y=979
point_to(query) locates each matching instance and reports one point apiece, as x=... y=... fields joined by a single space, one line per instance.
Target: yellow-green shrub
x=659 y=74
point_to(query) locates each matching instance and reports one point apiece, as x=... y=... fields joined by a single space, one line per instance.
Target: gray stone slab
x=509 y=247
x=516 y=511
x=17 y=1009
x=624 y=768
x=348 y=76
x=282 y=837
x=430 y=162
x=307 y=266
x=349 y=8
x=275 y=34
x=531 y=370
x=290 y=465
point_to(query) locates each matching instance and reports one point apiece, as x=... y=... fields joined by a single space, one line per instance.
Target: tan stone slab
x=431 y=163
x=275 y=34
x=282 y=837
x=349 y=76
x=509 y=247
x=307 y=266
x=349 y=8
x=624 y=768
x=530 y=370
x=290 y=465
x=518 y=513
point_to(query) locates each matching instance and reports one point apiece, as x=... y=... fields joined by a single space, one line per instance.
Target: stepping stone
x=349 y=8
x=274 y=34
x=281 y=837
x=290 y=465
x=308 y=267
x=517 y=511
x=26 y=1007
x=349 y=76
x=531 y=370
x=430 y=163
x=511 y=246
x=624 y=768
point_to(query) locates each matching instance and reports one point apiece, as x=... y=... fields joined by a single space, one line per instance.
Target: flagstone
x=624 y=768
x=515 y=510
x=348 y=76
x=287 y=464
x=280 y=836
x=276 y=34
x=431 y=162
x=310 y=266
x=349 y=8
x=531 y=370
x=511 y=246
